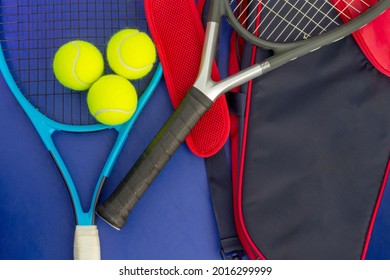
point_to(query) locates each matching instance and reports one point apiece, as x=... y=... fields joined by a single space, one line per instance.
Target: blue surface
x=174 y=220
x=37 y=220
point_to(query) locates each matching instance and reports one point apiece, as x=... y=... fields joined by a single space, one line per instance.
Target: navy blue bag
x=309 y=157
x=314 y=156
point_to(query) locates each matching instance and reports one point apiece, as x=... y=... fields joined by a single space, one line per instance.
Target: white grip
x=86 y=243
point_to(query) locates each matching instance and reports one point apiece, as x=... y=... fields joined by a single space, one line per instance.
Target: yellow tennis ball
x=131 y=53
x=77 y=64
x=112 y=100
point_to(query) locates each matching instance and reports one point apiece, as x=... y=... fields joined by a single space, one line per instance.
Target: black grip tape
x=118 y=206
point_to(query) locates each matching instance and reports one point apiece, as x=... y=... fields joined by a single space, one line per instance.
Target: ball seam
x=74 y=65
x=111 y=111
x=120 y=57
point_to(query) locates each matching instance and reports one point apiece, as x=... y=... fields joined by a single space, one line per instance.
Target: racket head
x=284 y=25
x=31 y=32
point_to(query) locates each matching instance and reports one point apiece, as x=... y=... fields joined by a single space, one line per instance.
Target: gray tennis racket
x=290 y=29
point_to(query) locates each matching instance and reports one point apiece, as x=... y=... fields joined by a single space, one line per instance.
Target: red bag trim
x=375 y=213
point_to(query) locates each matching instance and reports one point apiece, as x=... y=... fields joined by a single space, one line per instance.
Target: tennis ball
x=112 y=100
x=131 y=53
x=77 y=64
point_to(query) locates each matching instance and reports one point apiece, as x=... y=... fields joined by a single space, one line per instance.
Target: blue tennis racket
x=30 y=33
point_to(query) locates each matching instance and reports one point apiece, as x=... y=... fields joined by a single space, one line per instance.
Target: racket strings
x=32 y=31
x=285 y=21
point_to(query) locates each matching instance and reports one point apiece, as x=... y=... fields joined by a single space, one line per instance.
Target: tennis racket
x=30 y=33
x=290 y=29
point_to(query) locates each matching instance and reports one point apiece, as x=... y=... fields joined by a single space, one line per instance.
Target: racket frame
x=283 y=52
x=46 y=127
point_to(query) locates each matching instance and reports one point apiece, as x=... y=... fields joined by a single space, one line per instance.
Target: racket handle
x=118 y=206
x=86 y=243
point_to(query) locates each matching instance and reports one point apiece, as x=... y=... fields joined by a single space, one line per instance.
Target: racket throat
x=204 y=83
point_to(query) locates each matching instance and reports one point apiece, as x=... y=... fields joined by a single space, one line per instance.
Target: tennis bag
x=312 y=155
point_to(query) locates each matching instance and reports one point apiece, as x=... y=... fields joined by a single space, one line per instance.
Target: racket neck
x=204 y=83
